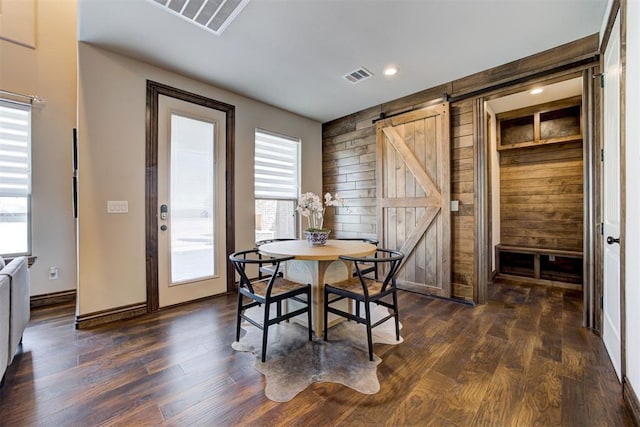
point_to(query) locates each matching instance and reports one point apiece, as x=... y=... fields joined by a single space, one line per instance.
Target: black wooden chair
x=366 y=290
x=364 y=269
x=273 y=289
x=267 y=269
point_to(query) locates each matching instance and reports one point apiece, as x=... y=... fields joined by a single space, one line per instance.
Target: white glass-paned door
x=191 y=202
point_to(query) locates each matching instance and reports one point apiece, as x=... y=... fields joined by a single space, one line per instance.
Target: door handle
x=164 y=212
x=163 y=227
x=612 y=240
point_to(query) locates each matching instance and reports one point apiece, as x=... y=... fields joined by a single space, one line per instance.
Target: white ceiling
x=293 y=54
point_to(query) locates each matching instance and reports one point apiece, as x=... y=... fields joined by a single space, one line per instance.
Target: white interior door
x=191 y=201
x=611 y=199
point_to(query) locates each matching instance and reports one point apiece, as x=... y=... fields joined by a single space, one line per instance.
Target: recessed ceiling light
x=390 y=71
x=536 y=91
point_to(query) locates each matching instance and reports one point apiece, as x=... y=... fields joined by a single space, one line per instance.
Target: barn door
x=413 y=198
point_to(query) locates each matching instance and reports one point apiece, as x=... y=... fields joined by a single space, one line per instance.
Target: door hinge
x=602 y=154
x=602 y=228
x=601 y=77
x=601 y=303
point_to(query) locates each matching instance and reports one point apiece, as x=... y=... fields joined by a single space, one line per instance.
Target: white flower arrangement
x=311 y=207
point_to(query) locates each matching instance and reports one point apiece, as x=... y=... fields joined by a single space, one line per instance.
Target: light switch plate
x=117 y=206
x=455 y=205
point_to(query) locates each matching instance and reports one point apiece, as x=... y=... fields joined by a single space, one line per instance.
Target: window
x=192 y=198
x=15 y=178
x=277 y=178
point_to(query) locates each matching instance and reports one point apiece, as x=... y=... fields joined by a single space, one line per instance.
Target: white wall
x=632 y=224
x=111 y=126
x=49 y=71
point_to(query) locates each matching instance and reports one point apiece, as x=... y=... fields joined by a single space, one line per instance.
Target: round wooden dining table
x=318 y=265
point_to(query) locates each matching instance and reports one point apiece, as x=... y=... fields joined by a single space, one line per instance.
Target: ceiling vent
x=213 y=15
x=358 y=75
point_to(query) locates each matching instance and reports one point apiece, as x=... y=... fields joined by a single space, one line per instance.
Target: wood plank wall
x=349 y=152
x=541 y=197
x=463 y=226
x=349 y=164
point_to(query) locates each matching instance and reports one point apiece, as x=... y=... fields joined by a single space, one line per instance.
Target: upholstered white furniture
x=17 y=271
x=5 y=298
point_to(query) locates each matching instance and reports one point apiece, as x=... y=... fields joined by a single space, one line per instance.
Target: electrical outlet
x=53 y=273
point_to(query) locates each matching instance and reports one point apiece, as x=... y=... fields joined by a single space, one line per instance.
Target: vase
x=317 y=238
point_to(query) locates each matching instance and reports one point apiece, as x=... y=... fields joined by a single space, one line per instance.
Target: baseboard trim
x=53 y=298
x=193 y=301
x=492 y=276
x=89 y=320
x=631 y=398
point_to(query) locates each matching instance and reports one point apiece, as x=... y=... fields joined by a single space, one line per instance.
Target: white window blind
x=276 y=166
x=15 y=177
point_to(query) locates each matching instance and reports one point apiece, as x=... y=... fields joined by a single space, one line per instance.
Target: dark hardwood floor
x=520 y=360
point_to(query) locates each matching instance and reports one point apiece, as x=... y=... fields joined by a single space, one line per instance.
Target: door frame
x=482 y=177
x=154 y=90
x=591 y=192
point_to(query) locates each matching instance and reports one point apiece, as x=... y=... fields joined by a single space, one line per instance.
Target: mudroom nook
x=539 y=191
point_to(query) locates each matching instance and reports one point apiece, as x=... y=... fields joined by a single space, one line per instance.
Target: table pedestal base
x=318 y=273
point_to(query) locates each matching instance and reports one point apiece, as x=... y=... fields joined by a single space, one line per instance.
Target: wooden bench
x=551 y=267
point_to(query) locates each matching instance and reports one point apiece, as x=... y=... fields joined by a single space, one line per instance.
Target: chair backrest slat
x=360 y=239
x=253 y=256
x=265 y=241
x=382 y=256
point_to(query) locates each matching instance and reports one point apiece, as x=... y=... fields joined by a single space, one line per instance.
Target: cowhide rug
x=293 y=362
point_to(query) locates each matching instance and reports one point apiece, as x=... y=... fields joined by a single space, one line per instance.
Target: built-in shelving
x=551 y=123
x=544 y=266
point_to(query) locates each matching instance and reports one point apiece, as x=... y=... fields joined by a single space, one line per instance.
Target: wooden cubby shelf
x=540 y=266
x=551 y=123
